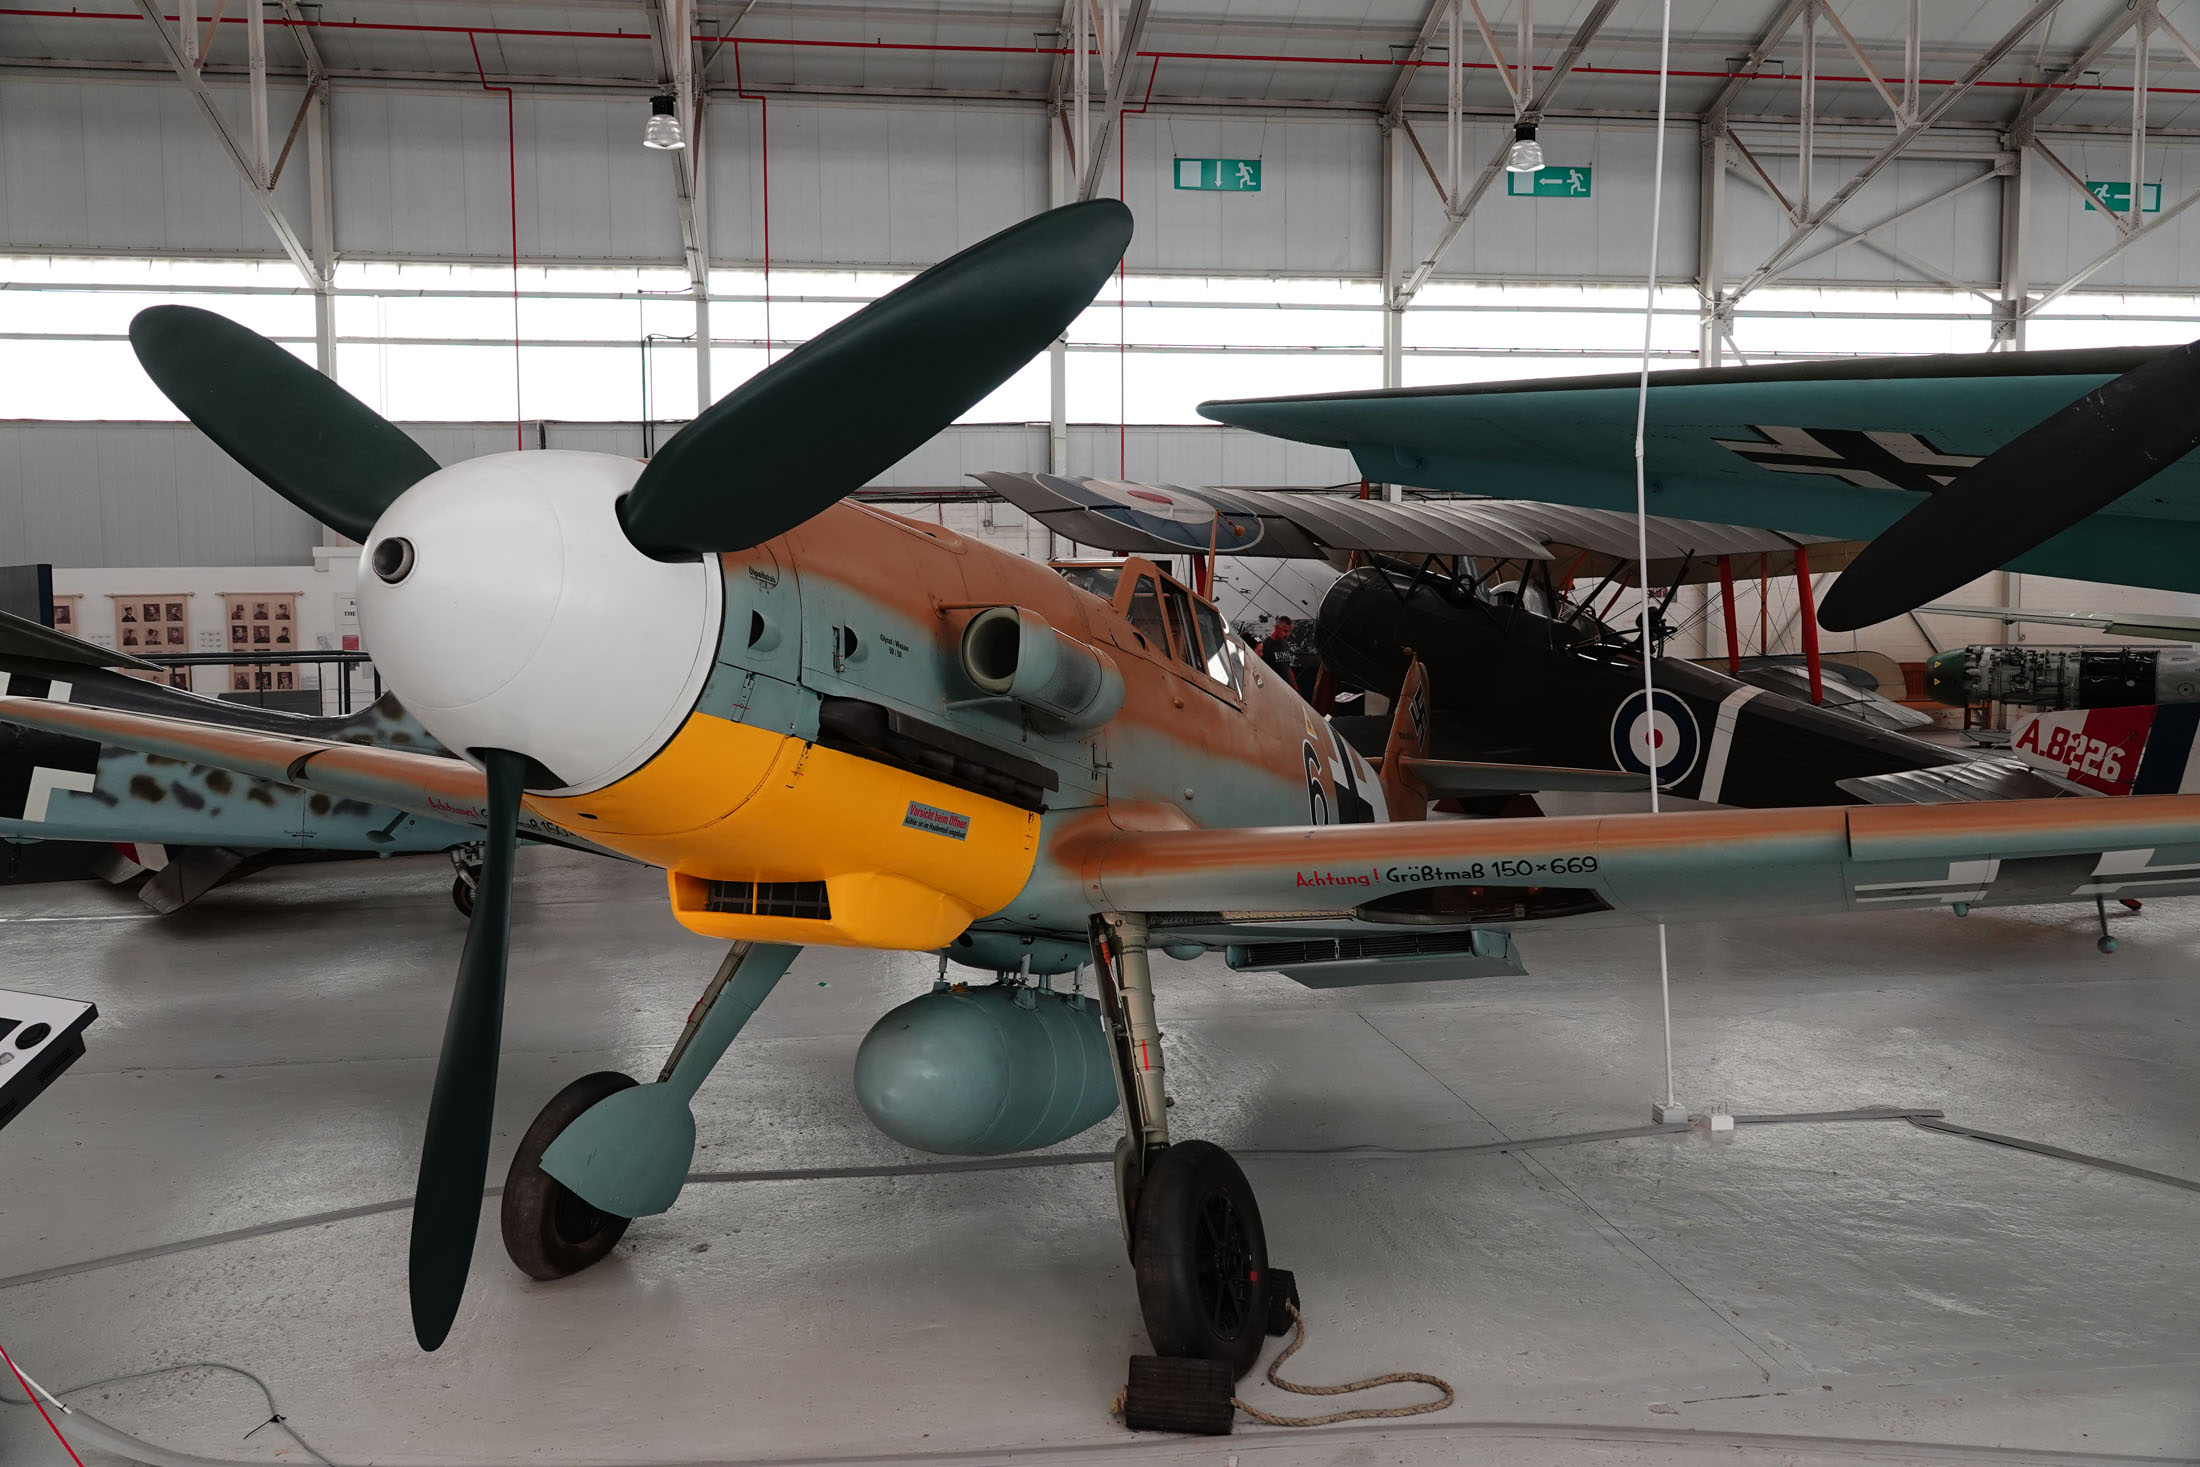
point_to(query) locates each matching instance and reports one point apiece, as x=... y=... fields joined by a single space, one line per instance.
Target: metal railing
x=347 y=666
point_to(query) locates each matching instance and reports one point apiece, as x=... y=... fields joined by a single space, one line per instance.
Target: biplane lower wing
x=1675 y=867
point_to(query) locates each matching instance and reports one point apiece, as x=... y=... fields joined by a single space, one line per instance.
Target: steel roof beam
x=1120 y=62
x=1781 y=24
x=1905 y=134
x=262 y=196
x=2028 y=111
x=1431 y=24
x=1455 y=216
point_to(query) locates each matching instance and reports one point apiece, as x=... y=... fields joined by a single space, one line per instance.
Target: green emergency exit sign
x=2117 y=196
x=1219 y=175
x=1549 y=183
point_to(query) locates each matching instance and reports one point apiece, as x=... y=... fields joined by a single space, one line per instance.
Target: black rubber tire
x=1191 y=1396
x=1201 y=1258
x=462 y=897
x=548 y=1230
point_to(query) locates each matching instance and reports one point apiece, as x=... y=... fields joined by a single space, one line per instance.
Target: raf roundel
x=1665 y=736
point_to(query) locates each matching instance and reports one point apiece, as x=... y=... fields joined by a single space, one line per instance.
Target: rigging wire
x=1642 y=516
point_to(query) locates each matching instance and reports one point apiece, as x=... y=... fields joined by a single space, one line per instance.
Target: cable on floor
x=1363 y=1413
x=2041 y=1148
x=24 y=1381
x=90 y=1429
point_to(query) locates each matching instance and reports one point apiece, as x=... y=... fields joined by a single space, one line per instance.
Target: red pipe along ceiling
x=945 y=48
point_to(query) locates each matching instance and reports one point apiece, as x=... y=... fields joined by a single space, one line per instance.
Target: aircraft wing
x=1454 y=778
x=433 y=785
x=1415 y=877
x=1841 y=449
x=1169 y=519
x=31 y=645
x=2161 y=624
x=1971 y=782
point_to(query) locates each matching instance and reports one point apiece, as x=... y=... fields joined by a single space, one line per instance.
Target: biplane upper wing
x=1673 y=867
x=1170 y=519
x=1842 y=449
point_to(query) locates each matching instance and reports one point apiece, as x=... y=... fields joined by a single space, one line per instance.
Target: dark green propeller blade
x=2062 y=469
x=454 y=1156
x=832 y=414
x=298 y=432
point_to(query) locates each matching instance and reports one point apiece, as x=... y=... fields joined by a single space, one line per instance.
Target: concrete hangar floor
x=221 y=1179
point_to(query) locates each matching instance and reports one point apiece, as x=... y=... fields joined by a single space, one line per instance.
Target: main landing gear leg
x=606 y=1150
x=1189 y=1217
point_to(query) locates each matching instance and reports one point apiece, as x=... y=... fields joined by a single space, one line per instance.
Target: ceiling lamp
x=663 y=131
x=1526 y=154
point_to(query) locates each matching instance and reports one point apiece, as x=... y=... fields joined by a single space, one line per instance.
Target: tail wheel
x=549 y=1230
x=1201 y=1257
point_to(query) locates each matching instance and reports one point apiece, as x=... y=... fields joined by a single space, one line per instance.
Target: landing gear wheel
x=462 y=897
x=1201 y=1257
x=548 y=1230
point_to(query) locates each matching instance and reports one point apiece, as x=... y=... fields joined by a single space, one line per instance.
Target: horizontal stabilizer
x=1446 y=779
x=1972 y=782
x=2159 y=624
x=24 y=640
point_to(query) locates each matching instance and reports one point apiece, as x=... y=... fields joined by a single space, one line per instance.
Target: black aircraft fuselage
x=1510 y=684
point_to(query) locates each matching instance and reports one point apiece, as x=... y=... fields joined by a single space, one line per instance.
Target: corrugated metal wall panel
x=428 y=177
x=1318 y=212
x=871 y=184
x=128 y=494
x=2064 y=237
x=1601 y=236
x=115 y=494
x=1961 y=237
x=131 y=168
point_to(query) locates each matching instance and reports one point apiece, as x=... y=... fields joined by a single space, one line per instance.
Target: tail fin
x=1403 y=795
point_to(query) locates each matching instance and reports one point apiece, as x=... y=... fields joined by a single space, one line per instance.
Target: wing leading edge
x=431 y=785
x=1675 y=867
x=1841 y=449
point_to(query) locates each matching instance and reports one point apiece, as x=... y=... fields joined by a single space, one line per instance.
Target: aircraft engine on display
x=2064 y=677
x=983 y=1070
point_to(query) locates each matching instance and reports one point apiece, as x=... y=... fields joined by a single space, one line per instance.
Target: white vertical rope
x=1642 y=518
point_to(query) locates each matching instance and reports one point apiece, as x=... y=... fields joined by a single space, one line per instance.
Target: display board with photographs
x=152 y=625
x=262 y=623
x=64 y=615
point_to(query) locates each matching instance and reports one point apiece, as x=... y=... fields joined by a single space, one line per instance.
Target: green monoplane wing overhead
x=1823 y=448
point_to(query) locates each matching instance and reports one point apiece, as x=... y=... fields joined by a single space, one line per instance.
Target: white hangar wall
x=126 y=167
x=868 y=190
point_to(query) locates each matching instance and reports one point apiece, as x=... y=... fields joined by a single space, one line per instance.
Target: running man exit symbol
x=1549 y=183
x=1219 y=175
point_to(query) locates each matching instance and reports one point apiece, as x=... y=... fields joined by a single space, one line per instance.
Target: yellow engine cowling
x=768 y=838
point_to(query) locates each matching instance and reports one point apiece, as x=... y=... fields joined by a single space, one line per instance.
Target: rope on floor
x=1364 y=1413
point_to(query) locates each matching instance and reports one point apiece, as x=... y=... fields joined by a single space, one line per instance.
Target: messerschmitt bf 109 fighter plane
x=851 y=729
